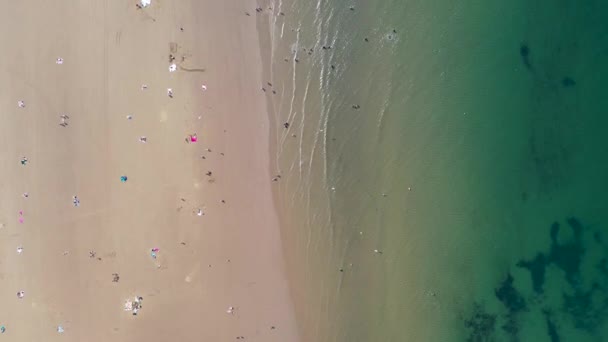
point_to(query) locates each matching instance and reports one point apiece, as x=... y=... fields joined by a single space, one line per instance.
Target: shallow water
x=461 y=140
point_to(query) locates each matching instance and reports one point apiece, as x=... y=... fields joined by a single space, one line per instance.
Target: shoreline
x=299 y=279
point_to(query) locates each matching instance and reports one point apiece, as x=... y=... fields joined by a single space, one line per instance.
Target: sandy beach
x=94 y=78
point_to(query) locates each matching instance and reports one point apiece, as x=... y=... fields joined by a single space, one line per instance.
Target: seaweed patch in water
x=511 y=327
x=524 y=52
x=513 y=302
x=565 y=256
x=568 y=82
x=551 y=328
x=568 y=256
x=585 y=315
x=481 y=325
x=536 y=267
x=597 y=237
x=509 y=296
x=548 y=156
x=582 y=307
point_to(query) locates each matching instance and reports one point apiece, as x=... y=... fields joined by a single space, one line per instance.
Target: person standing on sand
x=63 y=120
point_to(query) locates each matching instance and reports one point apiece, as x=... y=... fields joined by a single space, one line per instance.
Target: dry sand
x=230 y=256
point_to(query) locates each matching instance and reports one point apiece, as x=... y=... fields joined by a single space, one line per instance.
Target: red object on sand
x=193 y=138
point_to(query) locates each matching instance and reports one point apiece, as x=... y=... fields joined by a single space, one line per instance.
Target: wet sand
x=229 y=257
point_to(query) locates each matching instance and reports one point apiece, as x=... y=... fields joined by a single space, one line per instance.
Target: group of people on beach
x=135 y=304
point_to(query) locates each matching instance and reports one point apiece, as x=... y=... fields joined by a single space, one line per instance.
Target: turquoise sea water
x=444 y=168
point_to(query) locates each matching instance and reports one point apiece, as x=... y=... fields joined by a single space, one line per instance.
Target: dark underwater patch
x=568 y=256
x=511 y=327
x=549 y=156
x=582 y=307
x=598 y=237
x=585 y=315
x=513 y=301
x=509 y=296
x=565 y=256
x=524 y=52
x=568 y=82
x=481 y=325
x=551 y=328
x=536 y=267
